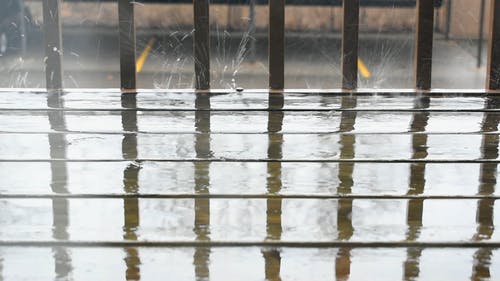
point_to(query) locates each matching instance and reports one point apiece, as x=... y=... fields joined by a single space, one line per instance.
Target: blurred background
x=239 y=50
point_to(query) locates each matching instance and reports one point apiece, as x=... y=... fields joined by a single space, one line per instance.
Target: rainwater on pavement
x=248 y=186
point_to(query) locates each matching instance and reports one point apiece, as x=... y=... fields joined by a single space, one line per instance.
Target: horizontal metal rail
x=248 y=196
x=227 y=160
x=226 y=244
x=360 y=92
x=326 y=110
x=319 y=133
x=369 y=3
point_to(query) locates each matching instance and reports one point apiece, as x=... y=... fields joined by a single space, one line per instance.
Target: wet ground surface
x=98 y=186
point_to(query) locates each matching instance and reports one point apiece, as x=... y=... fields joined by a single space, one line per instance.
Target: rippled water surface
x=98 y=186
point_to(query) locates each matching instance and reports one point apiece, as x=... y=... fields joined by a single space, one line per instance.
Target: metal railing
x=350 y=28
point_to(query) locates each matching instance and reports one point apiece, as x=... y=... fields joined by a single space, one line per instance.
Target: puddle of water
x=275 y=134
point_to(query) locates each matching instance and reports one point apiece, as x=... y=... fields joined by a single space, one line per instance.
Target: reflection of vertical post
x=487 y=180
x=130 y=185
x=424 y=41
x=345 y=229
x=272 y=257
x=276 y=45
x=202 y=185
x=417 y=186
x=59 y=171
x=493 y=71
x=53 y=45
x=350 y=30
x=201 y=44
x=127 y=45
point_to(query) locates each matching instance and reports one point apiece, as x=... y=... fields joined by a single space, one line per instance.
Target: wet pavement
x=248 y=186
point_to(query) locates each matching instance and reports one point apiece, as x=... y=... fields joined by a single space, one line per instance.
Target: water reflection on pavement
x=154 y=170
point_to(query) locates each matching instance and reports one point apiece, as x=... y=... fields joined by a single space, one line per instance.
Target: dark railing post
x=493 y=72
x=447 y=27
x=424 y=41
x=480 y=36
x=276 y=45
x=201 y=45
x=53 y=45
x=350 y=31
x=127 y=46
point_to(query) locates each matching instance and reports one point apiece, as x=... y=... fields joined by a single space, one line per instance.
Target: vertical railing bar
x=350 y=37
x=201 y=45
x=493 y=72
x=424 y=42
x=480 y=36
x=251 y=30
x=437 y=21
x=448 y=20
x=53 y=45
x=127 y=39
x=276 y=45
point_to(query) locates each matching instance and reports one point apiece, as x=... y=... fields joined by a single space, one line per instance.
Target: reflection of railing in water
x=59 y=180
x=345 y=228
x=274 y=184
x=131 y=213
x=414 y=195
x=201 y=228
x=422 y=60
x=416 y=187
x=487 y=185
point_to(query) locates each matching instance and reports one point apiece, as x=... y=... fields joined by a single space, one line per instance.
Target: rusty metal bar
x=493 y=72
x=127 y=46
x=350 y=31
x=276 y=45
x=201 y=45
x=424 y=41
x=53 y=45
